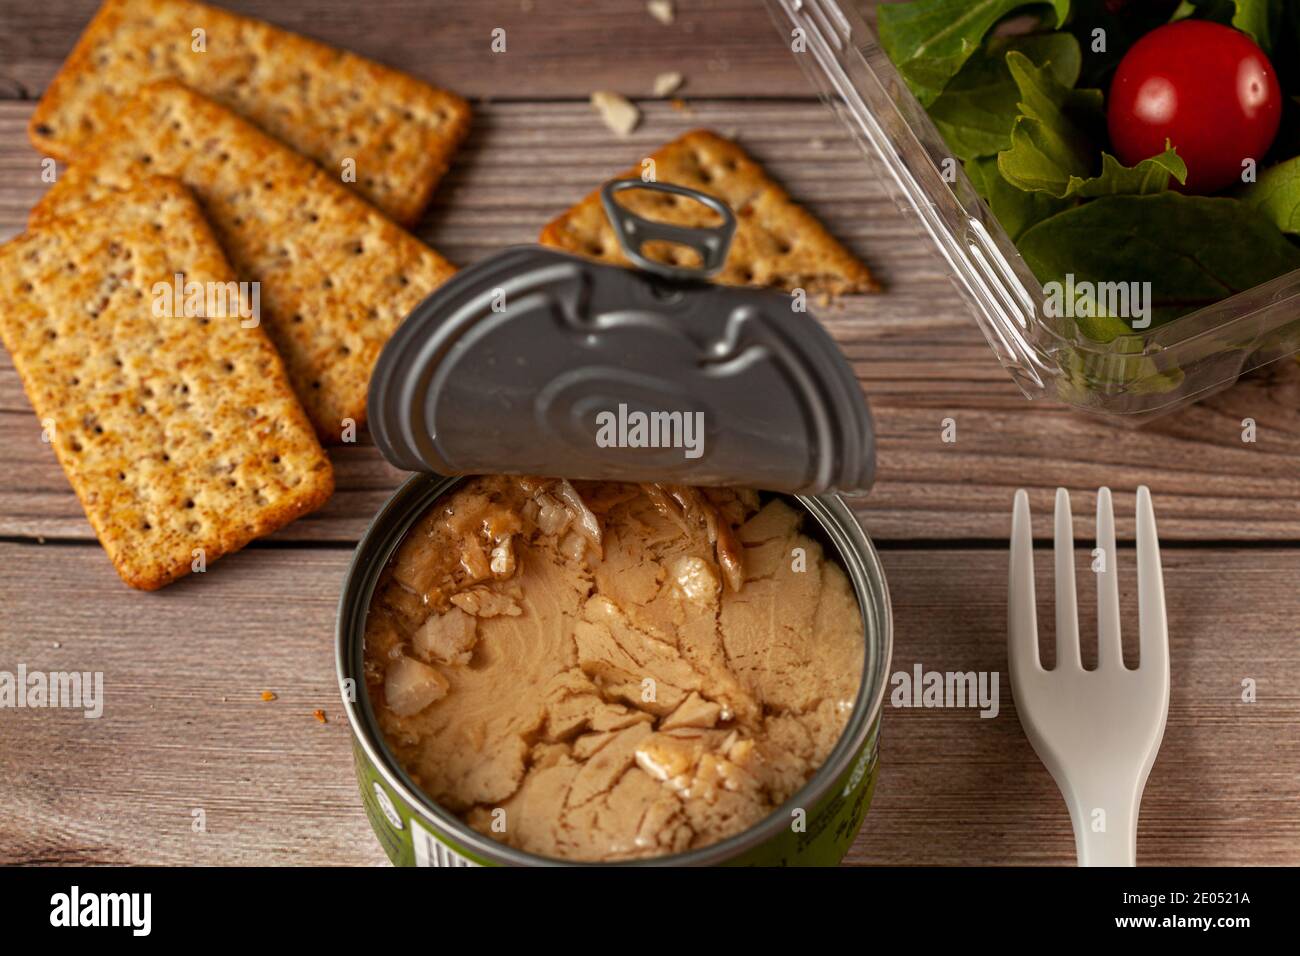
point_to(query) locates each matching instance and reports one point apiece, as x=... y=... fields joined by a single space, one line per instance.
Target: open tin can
x=500 y=371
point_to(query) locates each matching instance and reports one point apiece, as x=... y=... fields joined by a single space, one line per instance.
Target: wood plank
x=919 y=355
x=184 y=726
x=957 y=789
x=554 y=48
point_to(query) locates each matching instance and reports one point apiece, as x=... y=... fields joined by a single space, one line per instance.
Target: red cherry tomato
x=1205 y=87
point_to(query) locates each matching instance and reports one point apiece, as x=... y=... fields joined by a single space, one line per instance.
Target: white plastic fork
x=1097 y=731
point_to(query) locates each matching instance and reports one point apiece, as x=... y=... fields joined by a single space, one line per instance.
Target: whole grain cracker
x=336 y=277
x=777 y=242
x=327 y=104
x=179 y=432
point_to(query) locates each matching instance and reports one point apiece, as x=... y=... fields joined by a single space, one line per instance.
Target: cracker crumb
x=680 y=104
x=268 y=695
x=320 y=716
x=617 y=112
x=668 y=83
x=664 y=11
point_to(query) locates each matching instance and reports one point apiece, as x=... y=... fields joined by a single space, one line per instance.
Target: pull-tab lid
x=539 y=362
x=709 y=242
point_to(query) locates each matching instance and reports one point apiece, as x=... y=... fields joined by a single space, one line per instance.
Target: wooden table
x=185 y=728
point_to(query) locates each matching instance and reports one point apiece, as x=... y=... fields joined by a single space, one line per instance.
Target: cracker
x=327 y=104
x=336 y=277
x=178 y=432
x=777 y=243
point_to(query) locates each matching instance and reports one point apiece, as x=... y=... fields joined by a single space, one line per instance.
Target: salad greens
x=1017 y=209
x=1277 y=195
x=1026 y=116
x=930 y=40
x=1052 y=149
x=975 y=111
x=1259 y=18
x=1195 y=250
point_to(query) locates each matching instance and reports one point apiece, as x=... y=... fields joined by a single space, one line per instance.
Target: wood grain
x=919 y=355
x=564 y=49
x=184 y=726
x=957 y=789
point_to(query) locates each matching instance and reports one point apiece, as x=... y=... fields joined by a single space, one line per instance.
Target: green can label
x=816 y=836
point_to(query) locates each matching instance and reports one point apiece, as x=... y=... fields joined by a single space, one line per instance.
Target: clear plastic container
x=1134 y=376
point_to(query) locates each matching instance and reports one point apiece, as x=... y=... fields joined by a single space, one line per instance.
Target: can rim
x=383 y=535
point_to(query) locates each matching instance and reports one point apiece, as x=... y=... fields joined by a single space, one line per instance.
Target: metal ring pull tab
x=709 y=242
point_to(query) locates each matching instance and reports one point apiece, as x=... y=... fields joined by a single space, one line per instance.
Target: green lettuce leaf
x=1016 y=209
x=976 y=110
x=930 y=40
x=1261 y=19
x=1193 y=250
x=1053 y=143
x=1276 y=195
x=1122 y=368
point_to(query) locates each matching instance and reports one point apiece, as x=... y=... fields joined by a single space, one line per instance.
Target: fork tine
x=1067 y=608
x=1153 y=631
x=1022 y=623
x=1110 y=650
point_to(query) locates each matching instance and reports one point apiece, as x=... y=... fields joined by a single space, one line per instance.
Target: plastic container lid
x=539 y=362
x=1134 y=377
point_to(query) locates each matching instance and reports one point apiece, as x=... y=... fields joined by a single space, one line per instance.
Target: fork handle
x=1105 y=824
